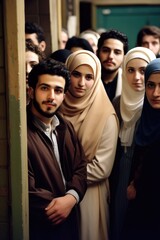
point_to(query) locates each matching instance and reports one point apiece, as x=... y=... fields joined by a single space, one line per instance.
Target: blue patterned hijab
x=149 y=128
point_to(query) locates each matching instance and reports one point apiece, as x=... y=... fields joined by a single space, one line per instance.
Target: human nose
x=51 y=94
x=28 y=68
x=111 y=54
x=81 y=81
x=156 y=91
x=150 y=46
x=137 y=75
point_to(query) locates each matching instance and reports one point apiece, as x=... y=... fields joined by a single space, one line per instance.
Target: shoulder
x=66 y=126
x=116 y=101
x=64 y=122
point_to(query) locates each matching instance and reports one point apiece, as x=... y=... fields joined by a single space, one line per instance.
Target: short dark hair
x=31 y=27
x=30 y=46
x=147 y=30
x=78 y=42
x=51 y=67
x=60 y=55
x=115 y=34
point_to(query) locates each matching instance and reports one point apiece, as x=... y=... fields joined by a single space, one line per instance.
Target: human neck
x=42 y=118
x=109 y=76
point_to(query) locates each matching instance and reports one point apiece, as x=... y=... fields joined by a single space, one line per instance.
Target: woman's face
x=82 y=80
x=135 y=73
x=31 y=60
x=153 y=90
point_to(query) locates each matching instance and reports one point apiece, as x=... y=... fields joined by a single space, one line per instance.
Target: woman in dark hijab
x=76 y=43
x=143 y=221
x=60 y=55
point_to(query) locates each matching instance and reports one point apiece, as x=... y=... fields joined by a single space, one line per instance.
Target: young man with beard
x=112 y=46
x=56 y=162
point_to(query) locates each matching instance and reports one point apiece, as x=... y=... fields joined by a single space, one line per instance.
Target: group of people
x=93 y=136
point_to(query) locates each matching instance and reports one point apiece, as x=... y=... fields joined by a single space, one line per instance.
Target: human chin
x=139 y=88
x=47 y=113
x=154 y=104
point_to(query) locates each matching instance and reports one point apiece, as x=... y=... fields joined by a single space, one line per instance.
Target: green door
x=127 y=19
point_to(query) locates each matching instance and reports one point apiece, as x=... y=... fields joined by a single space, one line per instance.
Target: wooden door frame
x=14 y=42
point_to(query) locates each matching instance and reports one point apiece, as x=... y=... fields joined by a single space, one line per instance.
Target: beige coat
x=96 y=200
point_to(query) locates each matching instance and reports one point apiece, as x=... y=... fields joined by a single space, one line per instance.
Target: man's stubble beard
x=39 y=110
x=108 y=71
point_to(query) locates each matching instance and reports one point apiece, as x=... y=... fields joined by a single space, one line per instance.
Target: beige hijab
x=131 y=101
x=89 y=113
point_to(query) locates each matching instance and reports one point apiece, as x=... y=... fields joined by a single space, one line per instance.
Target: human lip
x=155 y=101
x=109 y=63
x=80 y=89
x=50 y=104
x=137 y=84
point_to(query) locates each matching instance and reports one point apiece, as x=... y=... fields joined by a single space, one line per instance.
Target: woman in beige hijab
x=88 y=108
x=128 y=107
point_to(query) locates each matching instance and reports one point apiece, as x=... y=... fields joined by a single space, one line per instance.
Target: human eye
x=145 y=44
x=89 y=77
x=32 y=64
x=44 y=87
x=130 y=70
x=59 y=90
x=76 y=74
x=105 y=50
x=142 y=71
x=150 y=85
x=117 y=52
x=154 y=43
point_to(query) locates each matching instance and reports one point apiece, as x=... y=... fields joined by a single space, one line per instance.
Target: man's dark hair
x=60 y=55
x=115 y=34
x=31 y=27
x=51 y=67
x=147 y=30
x=30 y=46
x=78 y=42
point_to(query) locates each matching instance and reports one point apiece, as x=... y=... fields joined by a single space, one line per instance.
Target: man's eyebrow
x=114 y=49
x=44 y=84
x=106 y=47
x=59 y=87
x=47 y=85
x=32 y=61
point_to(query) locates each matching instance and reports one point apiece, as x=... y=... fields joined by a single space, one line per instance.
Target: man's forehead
x=33 y=37
x=51 y=80
x=112 y=43
x=151 y=37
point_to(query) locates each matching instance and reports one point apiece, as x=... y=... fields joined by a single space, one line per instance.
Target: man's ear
x=30 y=92
x=42 y=45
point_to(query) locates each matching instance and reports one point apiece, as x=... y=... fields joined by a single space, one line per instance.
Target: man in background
x=149 y=37
x=63 y=38
x=112 y=46
x=35 y=32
